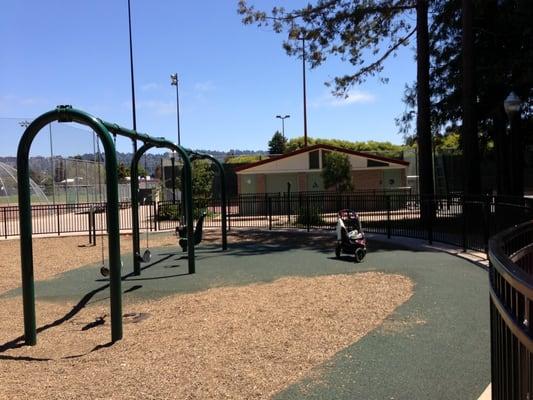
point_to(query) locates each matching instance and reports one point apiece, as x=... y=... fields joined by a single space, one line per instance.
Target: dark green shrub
x=310 y=216
x=199 y=206
x=169 y=212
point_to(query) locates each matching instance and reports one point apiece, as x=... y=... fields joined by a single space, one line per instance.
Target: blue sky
x=234 y=78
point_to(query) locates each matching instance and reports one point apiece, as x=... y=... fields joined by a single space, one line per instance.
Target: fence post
x=5 y=221
x=264 y=208
x=486 y=222
x=155 y=215
x=289 y=202
x=157 y=220
x=308 y=214
x=228 y=214
x=58 y=222
x=388 y=216
x=463 y=214
x=90 y=228
x=149 y=217
x=94 y=227
x=431 y=216
x=270 y=213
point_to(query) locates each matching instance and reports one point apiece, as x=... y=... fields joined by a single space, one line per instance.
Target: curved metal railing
x=511 y=297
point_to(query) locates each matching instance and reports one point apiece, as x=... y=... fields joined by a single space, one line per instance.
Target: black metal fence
x=73 y=218
x=465 y=222
x=511 y=297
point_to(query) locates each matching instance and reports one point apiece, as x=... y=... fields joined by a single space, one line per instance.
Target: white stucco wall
x=297 y=163
x=300 y=163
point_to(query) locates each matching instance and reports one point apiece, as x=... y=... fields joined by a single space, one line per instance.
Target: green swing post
x=134 y=185
x=187 y=186
x=67 y=114
x=187 y=190
x=223 y=199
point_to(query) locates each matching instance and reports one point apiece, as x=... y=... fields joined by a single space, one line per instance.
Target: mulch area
x=232 y=342
x=54 y=255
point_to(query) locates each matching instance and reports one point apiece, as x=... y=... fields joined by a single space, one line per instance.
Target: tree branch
x=319 y=9
x=376 y=63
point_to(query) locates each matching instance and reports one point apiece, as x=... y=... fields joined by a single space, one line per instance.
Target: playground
x=241 y=314
x=274 y=316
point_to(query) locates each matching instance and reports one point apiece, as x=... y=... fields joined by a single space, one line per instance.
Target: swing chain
x=103 y=269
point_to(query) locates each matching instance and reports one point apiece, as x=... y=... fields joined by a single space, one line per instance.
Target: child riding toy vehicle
x=350 y=236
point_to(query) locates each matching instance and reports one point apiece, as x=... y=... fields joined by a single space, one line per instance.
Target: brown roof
x=322 y=146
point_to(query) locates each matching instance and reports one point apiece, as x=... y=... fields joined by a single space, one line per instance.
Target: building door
x=314 y=182
x=391 y=178
x=278 y=183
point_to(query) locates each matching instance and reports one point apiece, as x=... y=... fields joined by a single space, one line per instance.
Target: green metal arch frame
x=187 y=191
x=162 y=142
x=68 y=114
x=223 y=197
x=134 y=185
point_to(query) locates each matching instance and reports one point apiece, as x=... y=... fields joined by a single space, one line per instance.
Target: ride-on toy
x=350 y=236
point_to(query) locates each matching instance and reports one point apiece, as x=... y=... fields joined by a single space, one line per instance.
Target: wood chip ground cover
x=54 y=255
x=232 y=342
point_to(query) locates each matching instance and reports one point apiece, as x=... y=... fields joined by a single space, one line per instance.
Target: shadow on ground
x=435 y=344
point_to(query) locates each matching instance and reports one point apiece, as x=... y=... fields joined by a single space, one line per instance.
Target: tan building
x=302 y=170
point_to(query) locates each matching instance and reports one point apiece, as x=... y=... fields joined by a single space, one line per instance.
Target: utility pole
x=304 y=85
x=423 y=122
x=132 y=81
x=174 y=82
x=295 y=35
x=471 y=162
x=283 y=124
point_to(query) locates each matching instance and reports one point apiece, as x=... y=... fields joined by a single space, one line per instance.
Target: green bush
x=173 y=212
x=311 y=216
x=245 y=159
x=199 y=206
x=169 y=212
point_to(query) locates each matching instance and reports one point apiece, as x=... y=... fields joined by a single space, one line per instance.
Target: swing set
x=139 y=258
x=104 y=131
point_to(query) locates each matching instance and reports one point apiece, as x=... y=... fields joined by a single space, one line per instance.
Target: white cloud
x=353 y=97
x=204 y=87
x=17 y=104
x=150 y=86
x=158 y=107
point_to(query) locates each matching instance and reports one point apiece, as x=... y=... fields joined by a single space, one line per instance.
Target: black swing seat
x=182 y=232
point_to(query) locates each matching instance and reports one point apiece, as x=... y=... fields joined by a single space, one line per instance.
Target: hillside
x=40 y=163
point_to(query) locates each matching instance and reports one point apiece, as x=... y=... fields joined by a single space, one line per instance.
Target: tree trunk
x=423 y=120
x=470 y=142
x=517 y=157
x=501 y=145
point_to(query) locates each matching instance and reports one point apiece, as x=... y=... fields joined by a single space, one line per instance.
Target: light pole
x=283 y=124
x=173 y=175
x=134 y=116
x=52 y=164
x=512 y=105
x=295 y=35
x=174 y=82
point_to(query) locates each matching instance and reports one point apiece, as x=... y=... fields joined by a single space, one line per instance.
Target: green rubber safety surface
x=436 y=345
